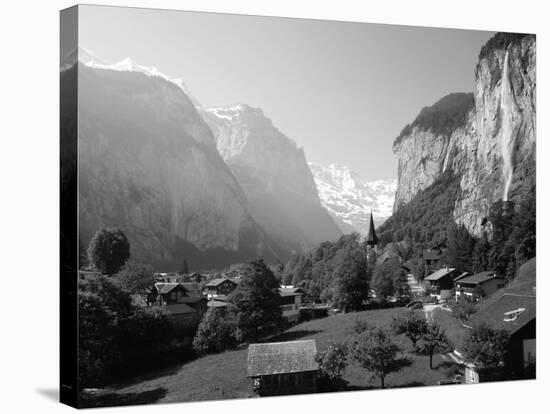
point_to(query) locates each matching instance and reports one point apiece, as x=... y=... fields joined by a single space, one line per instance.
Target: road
x=428 y=311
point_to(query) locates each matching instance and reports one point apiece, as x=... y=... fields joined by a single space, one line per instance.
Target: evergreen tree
x=460 y=246
x=480 y=254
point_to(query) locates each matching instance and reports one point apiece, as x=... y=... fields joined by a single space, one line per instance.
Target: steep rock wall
x=492 y=148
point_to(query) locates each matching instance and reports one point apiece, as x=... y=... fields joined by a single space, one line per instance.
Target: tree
x=389 y=279
x=216 y=332
x=108 y=250
x=256 y=302
x=412 y=324
x=136 y=277
x=434 y=340
x=278 y=271
x=487 y=347
x=101 y=303
x=460 y=245
x=351 y=284
x=376 y=352
x=332 y=363
x=501 y=253
x=524 y=237
x=480 y=254
x=463 y=309
x=115 y=337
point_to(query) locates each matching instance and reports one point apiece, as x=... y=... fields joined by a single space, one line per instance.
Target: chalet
x=477 y=286
x=282 y=368
x=184 y=306
x=291 y=300
x=194 y=277
x=432 y=257
x=515 y=311
x=219 y=286
x=441 y=282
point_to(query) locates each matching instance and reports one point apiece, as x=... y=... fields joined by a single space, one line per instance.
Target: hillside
x=223 y=376
x=274 y=175
x=149 y=165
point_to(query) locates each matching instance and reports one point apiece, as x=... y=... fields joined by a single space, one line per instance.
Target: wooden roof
x=478 y=278
x=282 y=358
x=494 y=314
x=218 y=281
x=290 y=291
x=440 y=273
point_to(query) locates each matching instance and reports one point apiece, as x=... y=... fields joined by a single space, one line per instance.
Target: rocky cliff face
x=487 y=140
x=349 y=198
x=274 y=175
x=148 y=164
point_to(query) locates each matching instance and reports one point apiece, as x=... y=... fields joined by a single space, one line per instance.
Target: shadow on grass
x=109 y=399
x=291 y=336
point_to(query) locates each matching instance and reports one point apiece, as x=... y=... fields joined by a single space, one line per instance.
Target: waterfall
x=508 y=130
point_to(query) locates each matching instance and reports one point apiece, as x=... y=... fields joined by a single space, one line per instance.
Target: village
x=465 y=328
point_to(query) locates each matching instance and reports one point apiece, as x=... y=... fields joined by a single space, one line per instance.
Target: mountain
x=481 y=146
x=349 y=198
x=148 y=164
x=274 y=175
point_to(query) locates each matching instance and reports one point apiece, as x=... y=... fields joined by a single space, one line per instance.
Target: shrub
x=216 y=332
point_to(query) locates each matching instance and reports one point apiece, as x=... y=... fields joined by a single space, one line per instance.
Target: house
x=441 y=282
x=291 y=300
x=219 y=286
x=477 y=286
x=431 y=257
x=194 y=277
x=517 y=315
x=515 y=311
x=283 y=368
x=184 y=306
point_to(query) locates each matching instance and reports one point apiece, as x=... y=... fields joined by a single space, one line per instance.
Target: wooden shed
x=283 y=368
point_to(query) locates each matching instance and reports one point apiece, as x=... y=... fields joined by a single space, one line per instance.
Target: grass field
x=454 y=329
x=223 y=376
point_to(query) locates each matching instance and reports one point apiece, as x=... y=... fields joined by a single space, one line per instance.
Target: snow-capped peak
x=349 y=198
x=233 y=111
x=87 y=58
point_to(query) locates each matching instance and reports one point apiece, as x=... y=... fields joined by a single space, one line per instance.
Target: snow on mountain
x=349 y=198
x=87 y=58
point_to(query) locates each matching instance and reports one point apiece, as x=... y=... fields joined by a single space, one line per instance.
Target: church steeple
x=372 y=239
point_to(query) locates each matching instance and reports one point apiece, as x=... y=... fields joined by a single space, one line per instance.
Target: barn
x=283 y=368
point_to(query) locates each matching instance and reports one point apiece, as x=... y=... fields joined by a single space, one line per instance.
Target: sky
x=343 y=91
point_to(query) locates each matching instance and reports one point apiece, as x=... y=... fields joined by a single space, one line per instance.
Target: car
x=415 y=305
